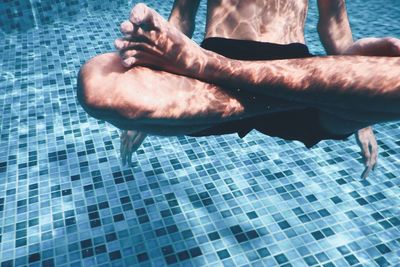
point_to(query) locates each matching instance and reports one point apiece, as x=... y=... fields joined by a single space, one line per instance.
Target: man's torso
x=275 y=21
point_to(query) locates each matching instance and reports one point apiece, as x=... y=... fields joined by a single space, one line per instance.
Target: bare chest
x=273 y=20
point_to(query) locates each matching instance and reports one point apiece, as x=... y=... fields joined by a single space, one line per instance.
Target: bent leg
x=356 y=82
x=162 y=103
x=145 y=99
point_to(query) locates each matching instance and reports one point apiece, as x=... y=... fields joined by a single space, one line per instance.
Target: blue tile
x=65 y=199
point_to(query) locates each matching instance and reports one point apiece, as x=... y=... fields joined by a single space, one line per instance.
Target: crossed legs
x=162 y=103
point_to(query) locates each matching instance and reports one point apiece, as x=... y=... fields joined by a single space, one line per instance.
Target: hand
x=386 y=47
x=130 y=142
x=369 y=149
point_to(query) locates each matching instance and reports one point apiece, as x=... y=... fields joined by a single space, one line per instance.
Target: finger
x=365 y=173
x=139 y=140
x=129 y=154
x=128 y=150
x=123 y=158
x=367 y=162
x=365 y=152
x=121 y=147
x=123 y=154
x=374 y=156
x=130 y=160
x=132 y=146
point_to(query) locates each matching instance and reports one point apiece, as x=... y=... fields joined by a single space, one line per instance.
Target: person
x=192 y=90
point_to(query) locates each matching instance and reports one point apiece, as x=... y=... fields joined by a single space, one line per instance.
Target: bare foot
x=130 y=142
x=149 y=40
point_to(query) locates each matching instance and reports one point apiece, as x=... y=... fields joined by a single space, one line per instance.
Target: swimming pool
x=65 y=199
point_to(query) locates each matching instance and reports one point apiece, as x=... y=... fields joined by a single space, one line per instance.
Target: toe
x=145 y=16
x=139 y=13
x=126 y=27
x=128 y=62
x=128 y=54
x=120 y=43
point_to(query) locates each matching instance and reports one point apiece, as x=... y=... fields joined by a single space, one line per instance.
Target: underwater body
x=66 y=199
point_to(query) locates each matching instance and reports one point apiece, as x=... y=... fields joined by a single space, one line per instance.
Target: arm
x=336 y=37
x=356 y=83
x=334 y=27
x=183 y=15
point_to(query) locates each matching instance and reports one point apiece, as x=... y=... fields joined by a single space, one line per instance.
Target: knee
x=101 y=89
x=85 y=88
x=82 y=87
x=95 y=86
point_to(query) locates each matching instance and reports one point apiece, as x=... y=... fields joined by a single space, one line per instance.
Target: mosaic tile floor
x=65 y=199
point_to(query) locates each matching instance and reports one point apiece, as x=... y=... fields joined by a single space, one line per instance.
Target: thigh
x=147 y=96
x=163 y=103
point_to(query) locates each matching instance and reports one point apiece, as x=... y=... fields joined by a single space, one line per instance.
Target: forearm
x=183 y=16
x=184 y=25
x=331 y=81
x=336 y=39
x=334 y=27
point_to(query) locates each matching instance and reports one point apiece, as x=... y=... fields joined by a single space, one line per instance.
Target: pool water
x=66 y=200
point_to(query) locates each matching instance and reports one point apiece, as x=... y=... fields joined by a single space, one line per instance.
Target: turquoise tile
x=65 y=199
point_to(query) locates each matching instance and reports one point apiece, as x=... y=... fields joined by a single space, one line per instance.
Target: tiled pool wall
x=65 y=199
x=21 y=15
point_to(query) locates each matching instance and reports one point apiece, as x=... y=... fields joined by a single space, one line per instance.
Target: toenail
x=119 y=44
x=129 y=62
x=135 y=19
x=126 y=26
x=129 y=53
